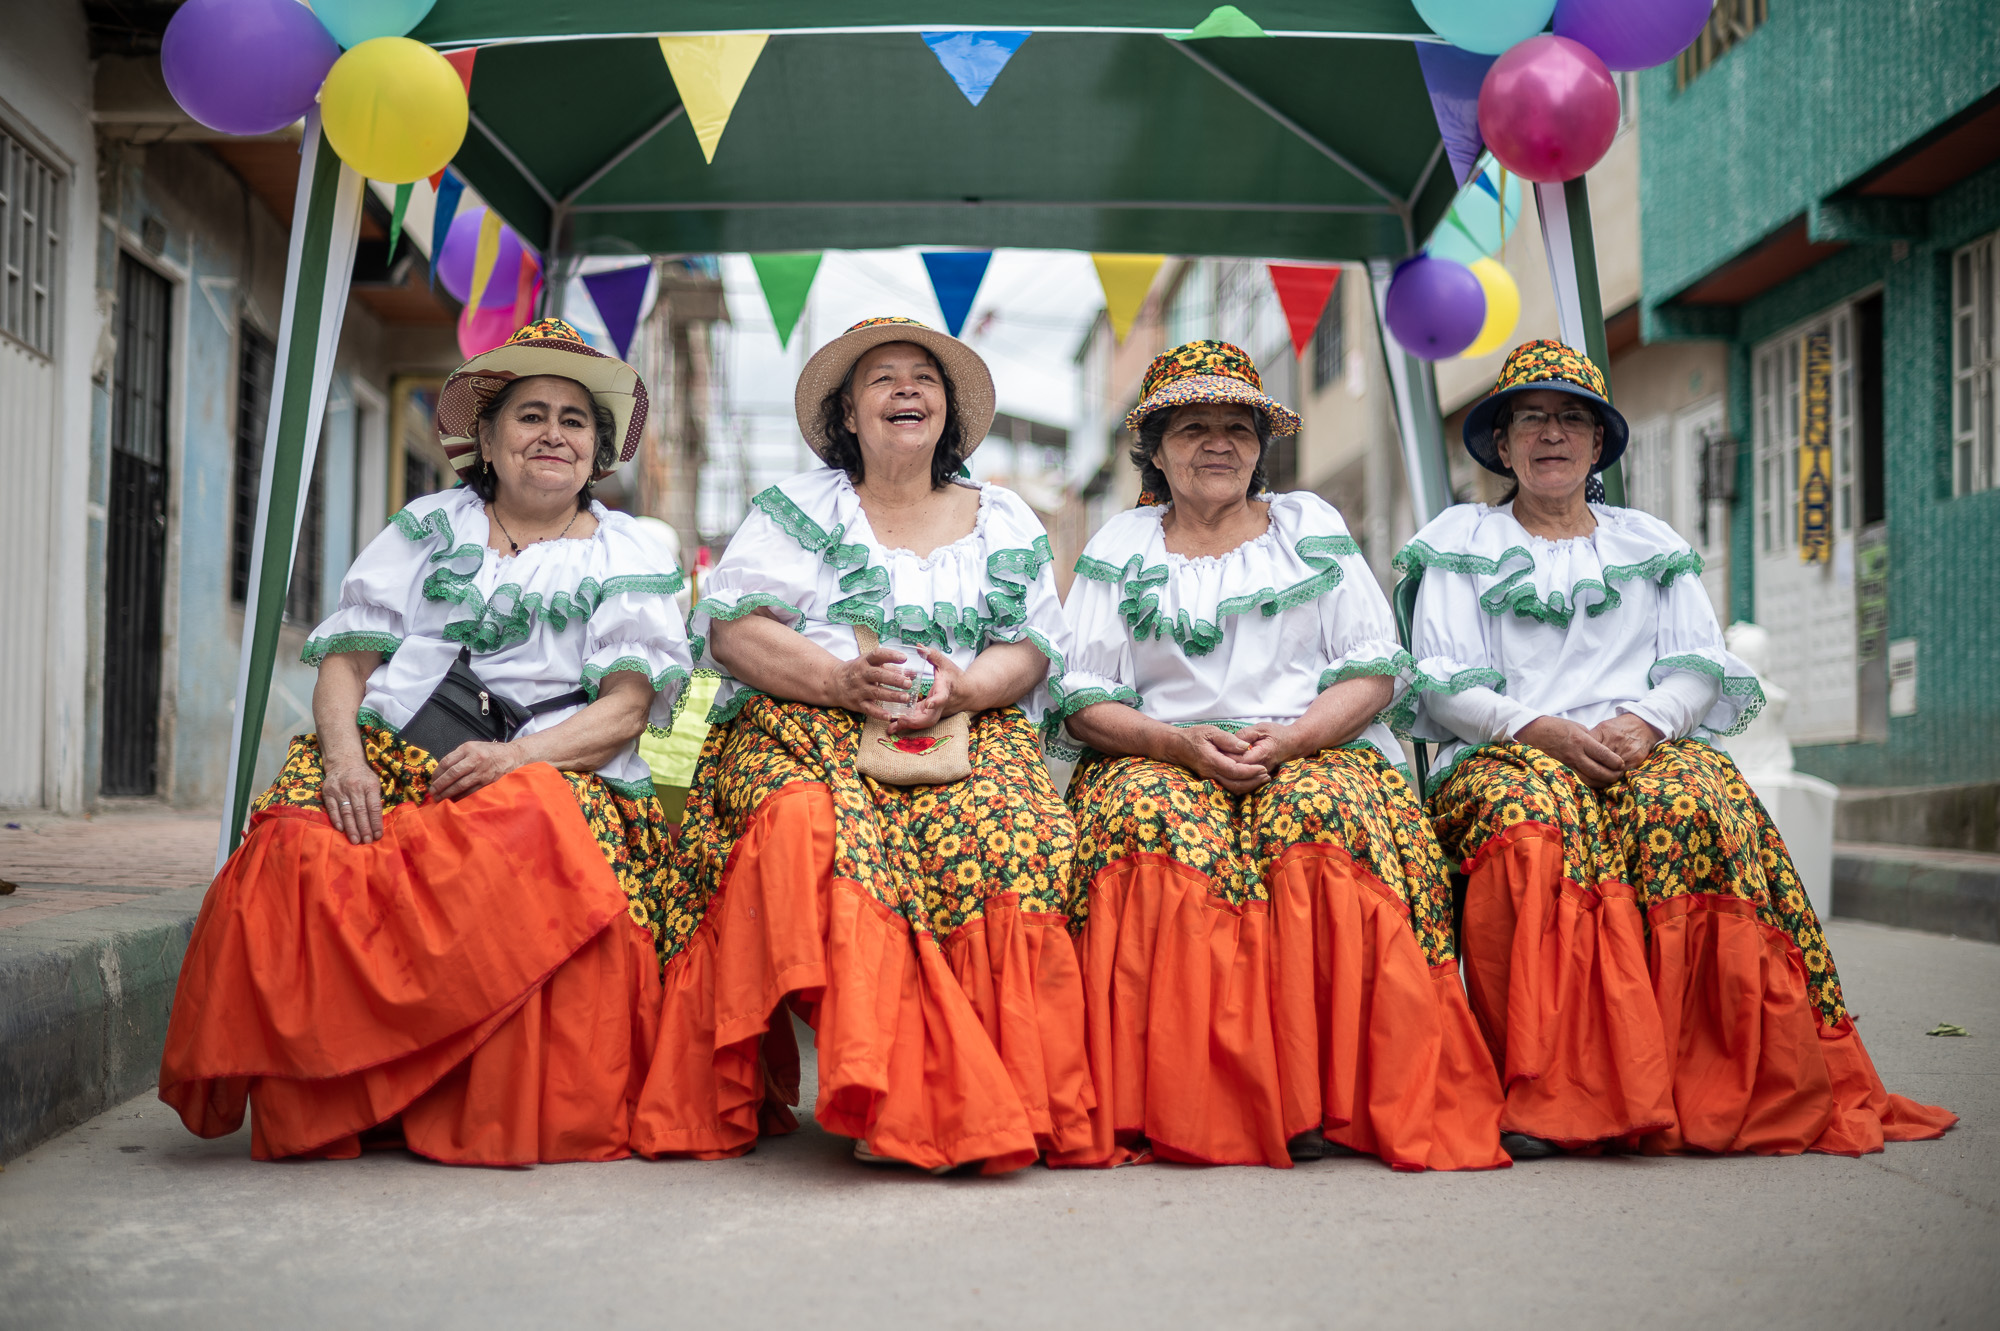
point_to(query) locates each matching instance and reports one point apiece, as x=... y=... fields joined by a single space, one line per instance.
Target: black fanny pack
x=461 y=709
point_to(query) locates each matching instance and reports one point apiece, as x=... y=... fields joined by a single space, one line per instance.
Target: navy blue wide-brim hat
x=1545 y=363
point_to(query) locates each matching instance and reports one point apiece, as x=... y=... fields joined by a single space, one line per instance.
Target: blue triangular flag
x=974 y=59
x=449 y=187
x=1453 y=78
x=955 y=277
x=618 y=295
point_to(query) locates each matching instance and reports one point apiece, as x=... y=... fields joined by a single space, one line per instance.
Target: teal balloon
x=1477 y=223
x=1486 y=26
x=353 y=22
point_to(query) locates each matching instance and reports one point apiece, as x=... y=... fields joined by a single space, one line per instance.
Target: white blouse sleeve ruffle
x=1480 y=570
x=374 y=598
x=807 y=555
x=638 y=629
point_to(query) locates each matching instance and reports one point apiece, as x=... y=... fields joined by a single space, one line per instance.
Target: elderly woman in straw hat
x=1265 y=919
x=441 y=926
x=891 y=867
x=1640 y=955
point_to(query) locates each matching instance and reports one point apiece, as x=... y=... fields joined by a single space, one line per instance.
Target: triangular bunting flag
x=955 y=277
x=1453 y=77
x=787 y=280
x=619 y=295
x=974 y=59
x=446 y=208
x=1126 y=278
x=396 y=217
x=1223 y=21
x=462 y=62
x=709 y=73
x=484 y=256
x=1303 y=290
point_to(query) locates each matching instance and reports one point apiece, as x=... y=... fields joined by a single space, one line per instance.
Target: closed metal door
x=136 y=536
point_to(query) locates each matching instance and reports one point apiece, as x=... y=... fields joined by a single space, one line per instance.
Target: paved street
x=128 y=1221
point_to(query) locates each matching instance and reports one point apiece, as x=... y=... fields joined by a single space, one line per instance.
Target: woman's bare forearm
x=1001 y=676
x=595 y=735
x=1342 y=711
x=1120 y=731
x=337 y=695
x=775 y=659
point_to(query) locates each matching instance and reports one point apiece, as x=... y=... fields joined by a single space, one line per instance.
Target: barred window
x=1330 y=343
x=256 y=368
x=1729 y=23
x=1975 y=366
x=30 y=199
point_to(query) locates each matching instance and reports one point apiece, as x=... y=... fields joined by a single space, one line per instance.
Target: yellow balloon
x=1503 y=308
x=394 y=110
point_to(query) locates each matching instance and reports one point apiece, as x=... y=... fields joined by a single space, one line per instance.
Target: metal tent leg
x=326 y=224
x=1421 y=429
x=1571 y=246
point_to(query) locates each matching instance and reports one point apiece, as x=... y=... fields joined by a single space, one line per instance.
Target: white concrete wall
x=45 y=92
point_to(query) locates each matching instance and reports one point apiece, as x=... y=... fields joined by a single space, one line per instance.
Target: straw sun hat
x=549 y=346
x=827 y=372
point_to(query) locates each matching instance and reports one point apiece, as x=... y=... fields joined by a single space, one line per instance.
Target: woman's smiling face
x=1551 y=442
x=544 y=440
x=1209 y=452
x=895 y=401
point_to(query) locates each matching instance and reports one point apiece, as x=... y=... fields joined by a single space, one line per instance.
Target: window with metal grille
x=1729 y=23
x=255 y=369
x=1330 y=344
x=30 y=202
x=1975 y=366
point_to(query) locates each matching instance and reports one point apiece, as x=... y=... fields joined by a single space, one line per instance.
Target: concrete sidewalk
x=129 y=1221
x=90 y=948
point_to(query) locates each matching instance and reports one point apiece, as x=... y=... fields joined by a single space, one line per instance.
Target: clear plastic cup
x=920 y=673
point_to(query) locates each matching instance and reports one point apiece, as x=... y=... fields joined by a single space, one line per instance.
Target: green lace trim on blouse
x=358 y=640
x=1733 y=686
x=1403 y=714
x=1140 y=607
x=593 y=676
x=1515 y=591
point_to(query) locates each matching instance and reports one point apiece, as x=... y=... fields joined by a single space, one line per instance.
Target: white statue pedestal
x=1801 y=805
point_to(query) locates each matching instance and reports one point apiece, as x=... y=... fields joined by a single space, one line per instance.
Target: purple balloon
x=1435 y=307
x=461 y=248
x=1633 y=34
x=246 y=66
x=1548 y=109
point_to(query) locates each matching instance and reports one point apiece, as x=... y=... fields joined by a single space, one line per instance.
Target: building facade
x=1821 y=193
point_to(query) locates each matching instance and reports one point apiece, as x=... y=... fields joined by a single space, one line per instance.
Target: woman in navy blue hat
x=1636 y=943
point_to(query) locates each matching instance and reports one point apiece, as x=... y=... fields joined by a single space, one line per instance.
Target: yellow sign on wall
x=1816 y=451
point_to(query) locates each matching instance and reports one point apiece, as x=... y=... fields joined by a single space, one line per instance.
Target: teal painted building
x=1820 y=193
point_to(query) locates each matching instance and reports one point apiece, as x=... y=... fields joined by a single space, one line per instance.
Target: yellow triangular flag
x=710 y=73
x=484 y=256
x=1126 y=278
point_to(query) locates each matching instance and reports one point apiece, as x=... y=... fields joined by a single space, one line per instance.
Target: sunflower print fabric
x=1545 y=361
x=1349 y=798
x=1207 y=371
x=1684 y=822
x=631 y=830
x=934 y=854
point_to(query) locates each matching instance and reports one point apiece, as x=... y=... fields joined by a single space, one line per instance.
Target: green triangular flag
x=786 y=279
x=396 y=219
x=1224 y=21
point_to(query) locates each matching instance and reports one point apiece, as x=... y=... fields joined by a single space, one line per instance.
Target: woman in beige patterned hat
x=916 y=920
x=440 y=928
x=1267 y=952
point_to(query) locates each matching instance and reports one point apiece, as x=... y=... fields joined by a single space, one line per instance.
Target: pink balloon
x=482 y=329
x=1548 y=109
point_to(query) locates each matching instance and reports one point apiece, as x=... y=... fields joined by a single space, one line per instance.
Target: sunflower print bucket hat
x=548 y=346
x=1207 y=371
x=1544 y=363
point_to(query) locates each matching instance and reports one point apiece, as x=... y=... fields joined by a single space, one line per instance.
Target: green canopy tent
x=1107 y=131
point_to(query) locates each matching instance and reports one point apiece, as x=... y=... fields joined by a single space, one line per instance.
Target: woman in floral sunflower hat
x=1265 y=918
x=1638 y=949
x=917 y=920
x=436 y=931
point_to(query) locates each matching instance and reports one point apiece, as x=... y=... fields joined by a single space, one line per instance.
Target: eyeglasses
x=1573 y=421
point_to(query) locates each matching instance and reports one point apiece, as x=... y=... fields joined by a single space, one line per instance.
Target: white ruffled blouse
x=807 y=555
x=557 y=615
x=1252 y=635
x=1510 y=626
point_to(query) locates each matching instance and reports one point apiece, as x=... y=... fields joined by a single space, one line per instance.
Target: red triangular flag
x=1303 y=290
x=524 y=290
x=462 y=62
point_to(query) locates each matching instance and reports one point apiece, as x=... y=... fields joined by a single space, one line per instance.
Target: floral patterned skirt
x=485 y=975
x=922 y=931
x=1645 y=964
x=1257 y=966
